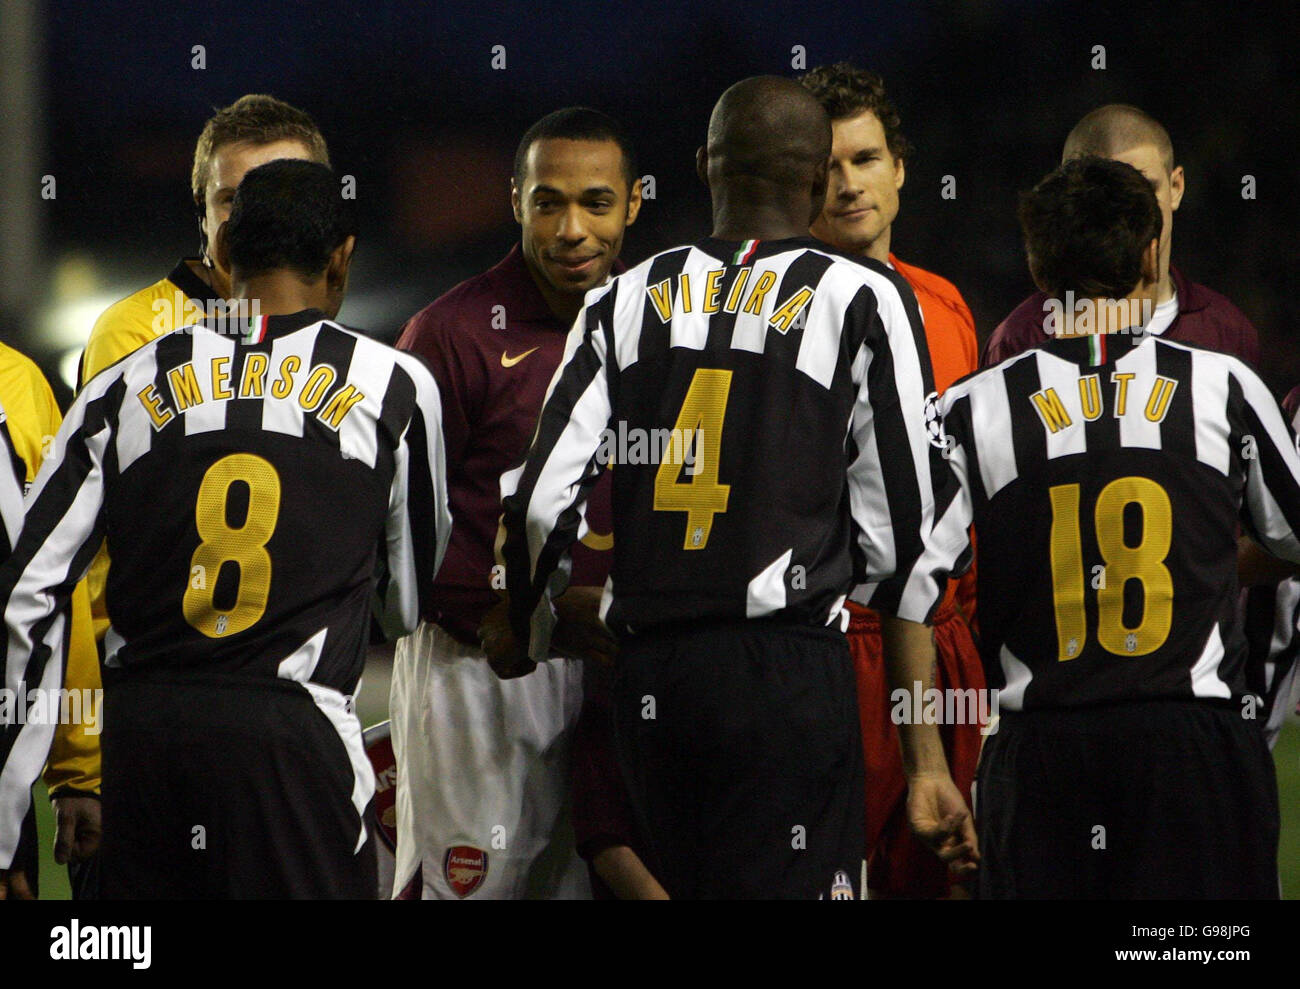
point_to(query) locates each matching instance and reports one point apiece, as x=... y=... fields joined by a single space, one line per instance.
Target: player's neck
x=282 y=293
x=1088 y=317
x=565 y=305
x=739 y=221
x=214 y=278
x=878 y=249
x=1166 y=290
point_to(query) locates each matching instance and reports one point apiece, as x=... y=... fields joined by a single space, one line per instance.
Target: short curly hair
x=844 y=91
x=258 y=119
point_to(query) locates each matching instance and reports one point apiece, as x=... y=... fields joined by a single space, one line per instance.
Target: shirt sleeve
x=74 y=761
x=896 y=475
x=1271 y=505
x=545 y=498
x=62 y=529
x=11 y=490
x=419 y=519
x=121 y=329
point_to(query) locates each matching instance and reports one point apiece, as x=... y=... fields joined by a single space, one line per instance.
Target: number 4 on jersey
x=699 y=424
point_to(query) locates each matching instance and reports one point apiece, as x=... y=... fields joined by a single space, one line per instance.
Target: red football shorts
x=898 y=863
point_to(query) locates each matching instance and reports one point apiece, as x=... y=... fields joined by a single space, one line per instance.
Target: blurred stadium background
x=106 y=100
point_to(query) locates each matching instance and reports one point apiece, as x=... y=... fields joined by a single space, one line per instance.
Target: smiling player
x=483 y=763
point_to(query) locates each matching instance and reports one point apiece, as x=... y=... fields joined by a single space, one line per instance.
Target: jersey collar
x=265 y=328
x=1095 y=349
x=194 y=287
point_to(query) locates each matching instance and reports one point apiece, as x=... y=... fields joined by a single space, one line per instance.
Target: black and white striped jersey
x=1271 y=615
x=12 y=478
x=762 y=404
x=1105 y=476
x=262 y=498
x=1271 y=618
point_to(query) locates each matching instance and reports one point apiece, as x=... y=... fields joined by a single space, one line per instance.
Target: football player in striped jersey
x=240 y=608
x=1105 y=473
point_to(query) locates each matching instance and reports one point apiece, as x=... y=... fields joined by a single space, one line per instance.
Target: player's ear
x=336 y=273
x=204 y=239
x=515 y=204
x=1177 y=186
x=634 y=202
x=702 y=165
x=1151 y=262
x=900 y=173
x=220 y=248
x=821 y=177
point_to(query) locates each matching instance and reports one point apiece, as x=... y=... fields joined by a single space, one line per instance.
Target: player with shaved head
x=794 y=380
x=1184 y=311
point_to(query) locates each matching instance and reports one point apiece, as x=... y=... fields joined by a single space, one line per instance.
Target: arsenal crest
x=464 y=867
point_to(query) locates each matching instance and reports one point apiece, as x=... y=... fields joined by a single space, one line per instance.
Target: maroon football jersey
x=1205 y=318
x=493 y=345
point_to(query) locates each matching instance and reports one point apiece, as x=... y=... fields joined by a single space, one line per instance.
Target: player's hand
x=504 y=655
x=13 y=885
x=579 y=632
x=940 y=818
x=77 y=825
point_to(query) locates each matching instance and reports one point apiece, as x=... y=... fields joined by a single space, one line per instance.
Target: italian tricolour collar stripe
x=1097 y=349
x=746 y=252
x=257 y=330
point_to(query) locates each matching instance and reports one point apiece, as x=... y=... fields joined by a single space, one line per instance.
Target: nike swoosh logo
x=508 y=361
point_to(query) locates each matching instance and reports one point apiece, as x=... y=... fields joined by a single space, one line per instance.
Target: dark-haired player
x=484 y=764
x=868 y=153
x=1184 y=311
x=797 y=378
x=1105 y=472
x=233 y=764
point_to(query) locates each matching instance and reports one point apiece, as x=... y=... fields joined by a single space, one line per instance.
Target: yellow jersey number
x=698 y=427
x=221 y=544
x=1144 y=562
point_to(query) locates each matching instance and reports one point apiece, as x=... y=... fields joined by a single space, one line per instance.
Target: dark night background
x=408 y=100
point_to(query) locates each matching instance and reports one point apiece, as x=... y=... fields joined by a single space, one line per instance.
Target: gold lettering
x=662 y=297
x=1121 y=391
x=339 y=405
x=1158 y=404
x=761 y=287
x=713 y=289
x=221 y=378
x=153 y=404
x=185 y=387
x=1050 y=409
x=284 y=384
x=1090 y=396
x=733 y=297
x=254 y=376
x=313 y=390
x=785 y=315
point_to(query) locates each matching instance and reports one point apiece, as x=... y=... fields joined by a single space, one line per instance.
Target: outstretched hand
x=940 y=818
